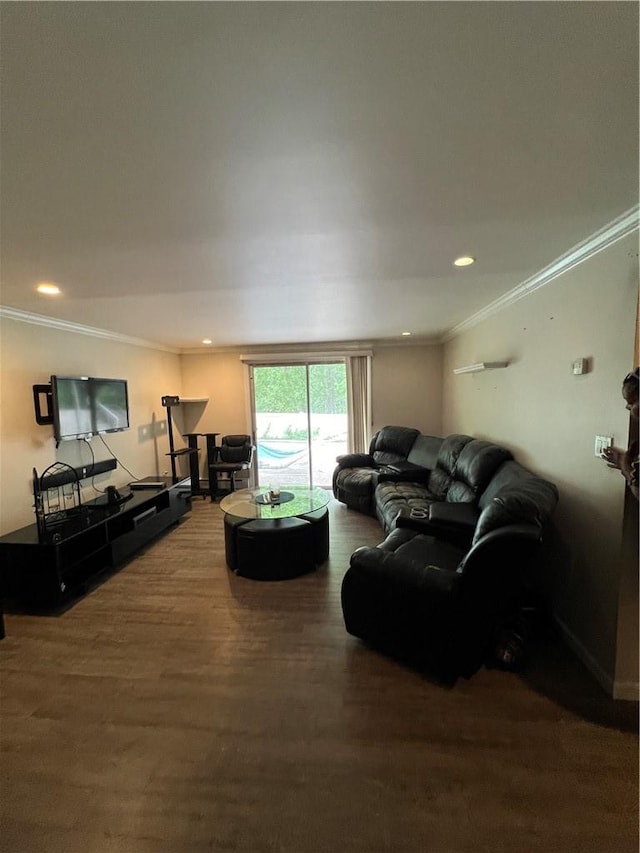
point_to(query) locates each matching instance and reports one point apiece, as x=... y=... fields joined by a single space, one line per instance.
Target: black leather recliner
x=437 y=602
x=357 y=474
x=462 y=471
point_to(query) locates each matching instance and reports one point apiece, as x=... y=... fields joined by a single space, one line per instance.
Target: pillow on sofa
x=530 y=501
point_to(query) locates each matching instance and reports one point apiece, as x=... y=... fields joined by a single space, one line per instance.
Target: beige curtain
x=359 y=402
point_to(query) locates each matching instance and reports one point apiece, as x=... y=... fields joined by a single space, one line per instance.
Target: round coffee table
x=267 y=540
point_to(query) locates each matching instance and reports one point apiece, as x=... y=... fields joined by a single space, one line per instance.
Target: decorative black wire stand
x=56 y=496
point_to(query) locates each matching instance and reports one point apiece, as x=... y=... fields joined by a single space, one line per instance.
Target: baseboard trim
x=603 y=678
x=627 y=690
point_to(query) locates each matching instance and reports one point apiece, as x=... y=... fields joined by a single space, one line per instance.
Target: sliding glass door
x=299 y=421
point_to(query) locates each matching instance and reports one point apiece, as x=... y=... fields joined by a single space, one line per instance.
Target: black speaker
x=113 y=495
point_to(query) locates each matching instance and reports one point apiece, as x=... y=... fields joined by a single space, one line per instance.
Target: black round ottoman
x=231 y=525
x=275 y=549
x=319 y=519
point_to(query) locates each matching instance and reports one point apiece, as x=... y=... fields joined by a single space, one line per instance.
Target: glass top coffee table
x=276 y=540
x=294 y=501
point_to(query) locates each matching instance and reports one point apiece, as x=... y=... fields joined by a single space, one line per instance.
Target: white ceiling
x=305 y=172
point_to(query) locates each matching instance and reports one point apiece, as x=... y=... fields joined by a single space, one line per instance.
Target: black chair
x=234 y=454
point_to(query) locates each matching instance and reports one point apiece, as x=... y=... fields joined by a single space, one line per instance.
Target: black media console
x=45 y=573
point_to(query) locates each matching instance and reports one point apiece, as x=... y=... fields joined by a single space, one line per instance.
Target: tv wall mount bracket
x=40 y=393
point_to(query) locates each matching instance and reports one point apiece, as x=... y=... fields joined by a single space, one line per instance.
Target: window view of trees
x=281 y=389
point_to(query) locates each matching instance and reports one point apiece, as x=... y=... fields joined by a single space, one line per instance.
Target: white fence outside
x=282 y=459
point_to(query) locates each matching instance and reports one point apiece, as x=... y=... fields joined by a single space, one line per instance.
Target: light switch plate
x=603 y=441
x=579 y=366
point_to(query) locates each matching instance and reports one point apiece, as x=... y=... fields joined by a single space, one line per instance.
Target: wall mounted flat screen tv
x=85 y=406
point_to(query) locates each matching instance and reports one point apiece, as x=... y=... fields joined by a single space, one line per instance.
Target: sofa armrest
x=419 y=523
x=412 y=576
x=463 y=516
x=522 y=535
x=356 y=460
x=501 y=559
x=450 y=522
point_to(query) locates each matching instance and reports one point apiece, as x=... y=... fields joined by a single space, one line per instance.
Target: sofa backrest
x=509 y=472
x=477 y=463
x=425 y=451
x=441 y=476
x=392 y=444
x=528 y=500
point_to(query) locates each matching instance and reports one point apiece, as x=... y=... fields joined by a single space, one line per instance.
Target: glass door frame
x=250 y=366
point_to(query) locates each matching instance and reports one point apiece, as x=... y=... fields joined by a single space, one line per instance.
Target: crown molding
x=329 y=348
x=311 y=355
x=619 y=228
x=79 y=329
x=334 y=348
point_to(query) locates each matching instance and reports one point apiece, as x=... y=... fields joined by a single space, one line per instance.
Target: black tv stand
x=105 y=502
x=45 y=572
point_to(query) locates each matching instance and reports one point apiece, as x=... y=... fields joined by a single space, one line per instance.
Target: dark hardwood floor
x=180 y=708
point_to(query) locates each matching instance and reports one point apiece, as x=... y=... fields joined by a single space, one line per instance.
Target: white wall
x=221 y=378
x=30 y=355
x=407 y=387
x=549 y=418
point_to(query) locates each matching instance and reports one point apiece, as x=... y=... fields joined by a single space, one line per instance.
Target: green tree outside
x=282 y=389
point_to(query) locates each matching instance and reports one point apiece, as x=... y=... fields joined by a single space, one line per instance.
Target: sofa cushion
x=424 y=451
x=509 y=472
x=419 y=551
x=392 y=444
x=477 y=463
x=529 y=501
x=442 y=475
x=395 y=497
x=409 y=556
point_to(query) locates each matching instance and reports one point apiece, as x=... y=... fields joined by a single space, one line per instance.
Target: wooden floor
x=180 y=708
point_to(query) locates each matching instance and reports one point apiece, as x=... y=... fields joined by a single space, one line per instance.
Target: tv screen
x=110 y=405
x=84 y=406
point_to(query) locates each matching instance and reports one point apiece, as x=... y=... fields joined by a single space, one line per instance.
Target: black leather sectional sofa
x=464 y=523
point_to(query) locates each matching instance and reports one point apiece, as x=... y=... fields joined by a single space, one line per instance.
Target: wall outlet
x=602 y=441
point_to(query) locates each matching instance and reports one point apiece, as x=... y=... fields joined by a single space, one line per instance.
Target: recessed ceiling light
x=207 y=341
x=406 y=334
x=464 y=261
x=48 y=288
